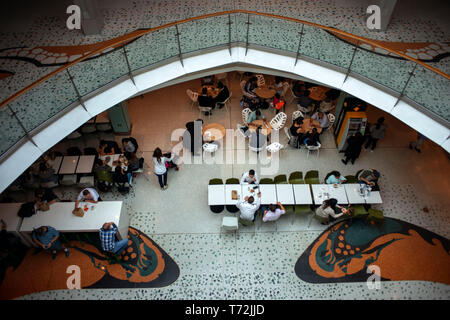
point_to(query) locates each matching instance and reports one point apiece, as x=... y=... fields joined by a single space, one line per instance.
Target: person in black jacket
x=353 y=148
x=193 y=136
x=223 y=94
x=206 y=101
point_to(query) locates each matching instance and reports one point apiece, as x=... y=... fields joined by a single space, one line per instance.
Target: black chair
x=216 y=208
x=90 y=152
x=74 y=151
x=232 y=208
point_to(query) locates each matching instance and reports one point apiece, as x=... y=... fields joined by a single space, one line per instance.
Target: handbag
x=78 y=212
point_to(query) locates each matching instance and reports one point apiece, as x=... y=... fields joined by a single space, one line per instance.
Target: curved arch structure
x=238 y=58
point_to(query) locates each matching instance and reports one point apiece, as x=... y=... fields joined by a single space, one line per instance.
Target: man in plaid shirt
x=108 y=239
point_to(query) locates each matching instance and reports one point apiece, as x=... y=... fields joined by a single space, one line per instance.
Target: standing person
x=354 y=146
x=193 y=136
x=48 y=238
x=273 y=212
x=327 y=211
x=160 y=168
x=250 y=177
x=376 y=132
x=248 y=207
x=417 y=145
x=107 y=237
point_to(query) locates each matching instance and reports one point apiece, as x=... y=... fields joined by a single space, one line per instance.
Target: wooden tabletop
x=308 y=124
x=265 y=92
x=213 y=131
x=318 y=93
x=212 y=90
x=265 y=128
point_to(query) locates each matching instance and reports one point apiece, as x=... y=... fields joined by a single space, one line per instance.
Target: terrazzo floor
x=259 y=264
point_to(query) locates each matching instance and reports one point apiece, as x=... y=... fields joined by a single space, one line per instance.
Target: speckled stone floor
x=260 y=265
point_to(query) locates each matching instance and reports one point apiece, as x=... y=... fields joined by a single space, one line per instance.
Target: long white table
x=68 y=165
x=85 y=164
x=268 y=194
x=323 y=192
x=285 y=193
x=302 y=194
x=354 y=196
x=57 y=163
x=8 y=212
x=216 y=194
x=228 y=189
x=61 y=218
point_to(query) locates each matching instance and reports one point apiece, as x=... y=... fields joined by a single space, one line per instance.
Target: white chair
x=210 y=147
x=332 y=119
x=245 y=113
x=297 y=114
x=261 y=80
x=86 y=182
x=313 y=148
x=274 y=147
x=238 y=126
x=227 y=101
x=69 y=179
x=74 y=135
x=288 y=135
x=88 y=128
x=204 y=109
x=230 y=224
x=278 y=121
x=193 y=96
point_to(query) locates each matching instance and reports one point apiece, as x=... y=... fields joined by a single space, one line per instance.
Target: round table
x=212 y=91
x=213 y=132
x=318 y=93
x=265 y=92
x=308 y=124
x=264 y=129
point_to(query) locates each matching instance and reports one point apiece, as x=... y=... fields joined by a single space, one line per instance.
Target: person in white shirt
x=323 y=120
x=248 y=207
x=88 y=195
x=250 y=177
x=273 y=213
x=160 y=168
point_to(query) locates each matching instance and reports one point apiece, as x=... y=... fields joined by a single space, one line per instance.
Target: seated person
x=335 y=178
x=311 y=138
x=251 y=85
x=108 y=148
x=298 y=88
x=296 y=131
x=133 y=161
x=326 y=106
x=223 y=94
x=50 y=159
x=369 y=177
x=248 y=207
x=323 y=120
x=255 y=115
x=103 y=171
x=121 y=175
x=48 y=238
x=328 y=211
x=250 y=177
x=273 y=212
x=47 y=174
x=278 y=103
x=7 y=240
x=206 y=101
x=88 y=195
x=129 y=145
x=306 y=104
x=44 y=196
x=108 y=239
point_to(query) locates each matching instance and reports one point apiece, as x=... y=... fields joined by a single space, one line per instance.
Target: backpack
x=103 y=186
x=26 y=210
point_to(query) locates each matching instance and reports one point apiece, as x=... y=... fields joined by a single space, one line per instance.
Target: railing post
x=299 y=44
x=179 y=46
x=14 y=114
x=248 y=27
x=128 y=65
x=76 y=89
x=229 y=33
x=411 y=74
x=351 y=61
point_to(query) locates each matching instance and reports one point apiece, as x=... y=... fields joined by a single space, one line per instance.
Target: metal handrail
x=135 y=34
